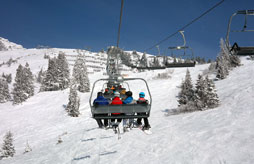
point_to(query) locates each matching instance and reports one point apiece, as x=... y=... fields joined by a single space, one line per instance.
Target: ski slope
x=217 y=136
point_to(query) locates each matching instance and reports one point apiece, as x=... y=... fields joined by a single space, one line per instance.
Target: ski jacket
x=116 y=101
x=128 y=100
x=142 y=100
x=100 y=100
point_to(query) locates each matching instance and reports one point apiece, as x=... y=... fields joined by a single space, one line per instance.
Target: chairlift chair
x=105 y=111
x=236 y=49
x=187 y=55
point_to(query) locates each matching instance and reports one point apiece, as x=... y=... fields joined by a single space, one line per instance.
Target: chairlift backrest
x=236 y=49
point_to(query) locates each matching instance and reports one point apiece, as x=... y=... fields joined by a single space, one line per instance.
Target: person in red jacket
x=116 y=101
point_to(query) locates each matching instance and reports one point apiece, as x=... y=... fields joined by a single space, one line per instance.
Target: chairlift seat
x=242 y=51
x=130 y=109
x=188 y=64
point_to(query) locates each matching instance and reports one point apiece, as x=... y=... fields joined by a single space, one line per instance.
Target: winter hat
x=128 y=93
x=117 y=94
x=142 y=94
x=99 y=94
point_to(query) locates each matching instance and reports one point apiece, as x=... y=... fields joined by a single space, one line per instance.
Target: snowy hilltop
x=6 y=45
x=40 y=129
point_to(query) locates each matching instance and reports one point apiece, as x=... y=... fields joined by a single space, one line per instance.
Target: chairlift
x=236 y=49
x=186 y=59
x=115 y=80
x=132 y=110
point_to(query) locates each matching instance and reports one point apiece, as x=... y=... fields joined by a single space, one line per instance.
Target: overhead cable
x=182 y=28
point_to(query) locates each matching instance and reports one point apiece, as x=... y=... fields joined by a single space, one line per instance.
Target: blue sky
x=86 y=23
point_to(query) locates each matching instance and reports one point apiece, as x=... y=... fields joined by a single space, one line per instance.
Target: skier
x=116 y=101
x=142 y=100
x=128 y=100
x=100 y=100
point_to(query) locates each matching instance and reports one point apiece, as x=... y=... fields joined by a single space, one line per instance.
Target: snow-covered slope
x=221 y=135
x=6 y=45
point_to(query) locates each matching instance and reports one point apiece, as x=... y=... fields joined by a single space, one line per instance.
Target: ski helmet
x=142 y=94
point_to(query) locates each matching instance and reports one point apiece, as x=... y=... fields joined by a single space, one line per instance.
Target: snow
x=221 y=135
x=10 y=45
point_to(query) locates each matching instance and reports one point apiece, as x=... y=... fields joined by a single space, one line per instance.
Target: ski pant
x=99 y=122
x=118 y=120
x=145 y=120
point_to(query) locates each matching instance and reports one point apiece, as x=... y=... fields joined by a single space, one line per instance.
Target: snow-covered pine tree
x=40 y=76
x=50 y=81
x=29 y=86
x=187 y=92
x=221 y=67
x=8 y=77
x=211 y=98
x=28 y=148
x=143 y=60
x=235 y=61
x=165 y=60
x=174 y=60
x=80 y=75
x=156 y=62
x=8 y=149
x=4 y=91
x=63 y=72
x=74 y=102
x=223 y=61
x=19 y=94
x=200 y=93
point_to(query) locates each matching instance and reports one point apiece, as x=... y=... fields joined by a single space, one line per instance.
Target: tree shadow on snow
x=91 y=129
x=169 y=112
x=107 y=153
x=89 y=139
x=104 y=137
x=83 y=157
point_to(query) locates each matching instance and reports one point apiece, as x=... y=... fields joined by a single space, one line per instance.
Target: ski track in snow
x=217 y=136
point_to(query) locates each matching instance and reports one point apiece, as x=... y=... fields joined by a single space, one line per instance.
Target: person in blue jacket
x=100 y=100
x=128 y=100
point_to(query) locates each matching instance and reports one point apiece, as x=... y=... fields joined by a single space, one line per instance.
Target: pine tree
x=23 y=86
x=156 y=62
x=50 y=81
x=19 y=95
x=63 y=72
x=143 y=60
x=221 y=67
x=8 y=77
x=222 y=62
x=174 y=60
x=4 y=91
x=40 y=76
x=8 y=149
x=187 y=92
x=211 y=98
x=74 y=102
x=165 y=60
x=235 y=61
x=200 y=93
x=80 y=75
x=28 y=148
x=29 y=86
